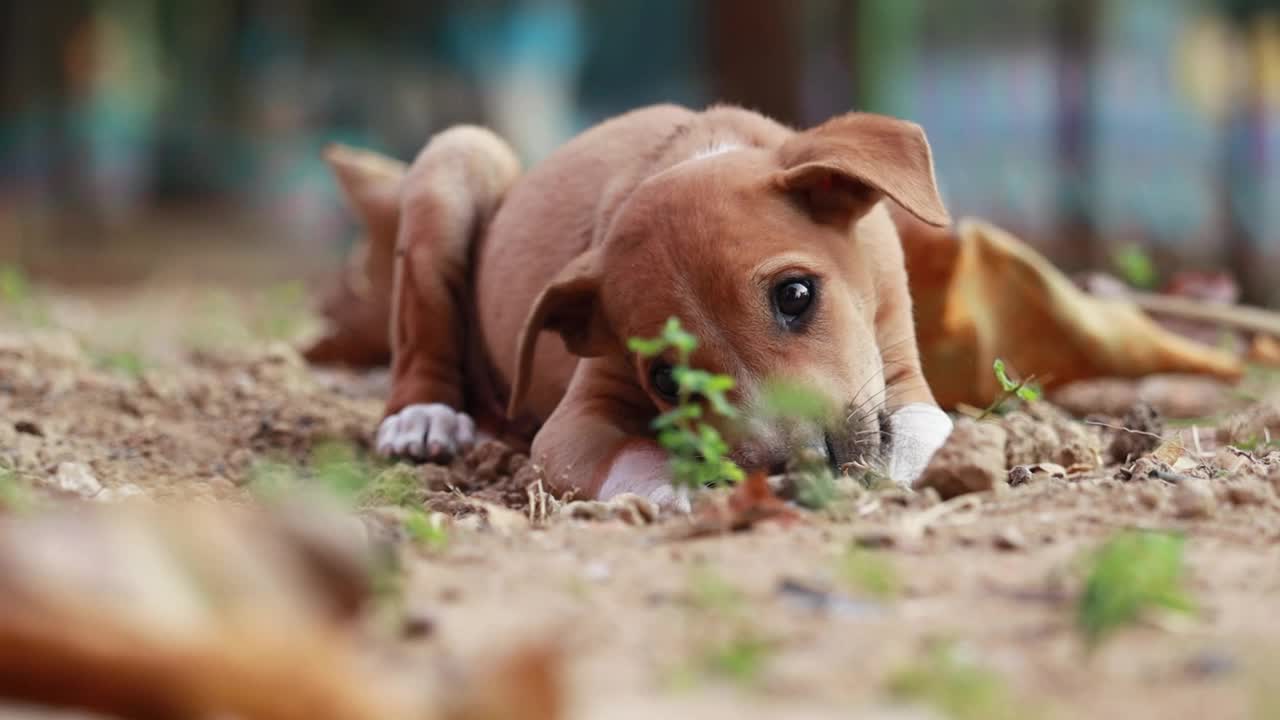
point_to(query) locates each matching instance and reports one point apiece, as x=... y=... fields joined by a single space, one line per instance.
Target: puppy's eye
x=663 y=380
x=793 y=298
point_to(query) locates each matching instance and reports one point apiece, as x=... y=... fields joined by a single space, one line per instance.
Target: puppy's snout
x=785 y=447
x=857 y=443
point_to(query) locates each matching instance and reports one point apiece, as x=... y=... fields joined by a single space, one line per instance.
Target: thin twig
x=1123 y=429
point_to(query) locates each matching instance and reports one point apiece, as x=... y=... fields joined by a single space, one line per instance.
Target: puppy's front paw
x=434 y=432
x=641 y=468
x=916 y=431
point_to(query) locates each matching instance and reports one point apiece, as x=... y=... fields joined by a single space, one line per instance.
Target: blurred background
x=1136 y=133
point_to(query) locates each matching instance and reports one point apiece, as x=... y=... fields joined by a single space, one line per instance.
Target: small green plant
x=869 y=572
x=397 y=485
x=699 y=455
x=1135 y=266
x=426 y=531
x=1133 y=573
x=1025 y=389
x=955 y=686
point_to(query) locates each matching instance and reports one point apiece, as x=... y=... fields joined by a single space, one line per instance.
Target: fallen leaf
x=981 y=293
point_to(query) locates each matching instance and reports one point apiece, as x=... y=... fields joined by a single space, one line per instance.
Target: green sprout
x=956 y=687
x=1024 y=389
x=426 y=531
x=1136 y=267
x=699 y=455
x=397 y=485
x=1131 y=574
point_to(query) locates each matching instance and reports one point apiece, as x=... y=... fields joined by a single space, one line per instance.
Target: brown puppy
x=773 y=247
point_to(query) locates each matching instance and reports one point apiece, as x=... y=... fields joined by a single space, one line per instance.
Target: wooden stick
x=1240 y=317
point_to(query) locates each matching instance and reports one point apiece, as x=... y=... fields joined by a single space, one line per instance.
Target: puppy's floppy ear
x=370 y=182
x=570 y=306
x=842 y=168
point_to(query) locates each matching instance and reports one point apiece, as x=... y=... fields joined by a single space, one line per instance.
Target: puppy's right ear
x=570 y=306
x=370 y=182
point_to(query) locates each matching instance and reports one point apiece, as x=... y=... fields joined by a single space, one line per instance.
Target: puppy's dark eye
x=793 y=298
x=664 y=381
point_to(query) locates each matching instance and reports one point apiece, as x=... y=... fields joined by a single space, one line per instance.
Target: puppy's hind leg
x=450 y=193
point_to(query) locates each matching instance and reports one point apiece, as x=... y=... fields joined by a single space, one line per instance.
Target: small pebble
x=417 y=626
x=1010 y=539
x=28 y=427
x=876 y=539
x=76 y=478
x=1211 y=663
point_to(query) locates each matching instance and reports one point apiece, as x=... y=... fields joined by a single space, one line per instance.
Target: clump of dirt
x=1141 y=433
x=972 y=460
x=1044 y=434
x=491 y=472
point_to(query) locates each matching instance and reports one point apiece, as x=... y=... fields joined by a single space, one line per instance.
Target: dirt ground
x=176 y=390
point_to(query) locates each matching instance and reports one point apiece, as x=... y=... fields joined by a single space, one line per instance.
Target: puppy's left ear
x=570 y=306
x=843 y=167
x=370 y=182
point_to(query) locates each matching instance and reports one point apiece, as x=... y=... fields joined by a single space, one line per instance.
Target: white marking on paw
x=916 y=431
x=426 y=432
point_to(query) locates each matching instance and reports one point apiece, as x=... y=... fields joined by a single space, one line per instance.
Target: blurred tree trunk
x=754 y=56
x=1076 y=24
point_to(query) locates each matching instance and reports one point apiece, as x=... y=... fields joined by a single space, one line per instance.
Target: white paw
x=433 y=432
x=916 y=431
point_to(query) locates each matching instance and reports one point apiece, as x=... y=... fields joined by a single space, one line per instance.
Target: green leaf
x=424 y=532
x=1029 y=393
x=1136 y=266
x=646 y=347
x=1007 y=383
x=730 y=471
x=690 y=380
x=676 y=335
x=676 y=415
x=721 y=405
